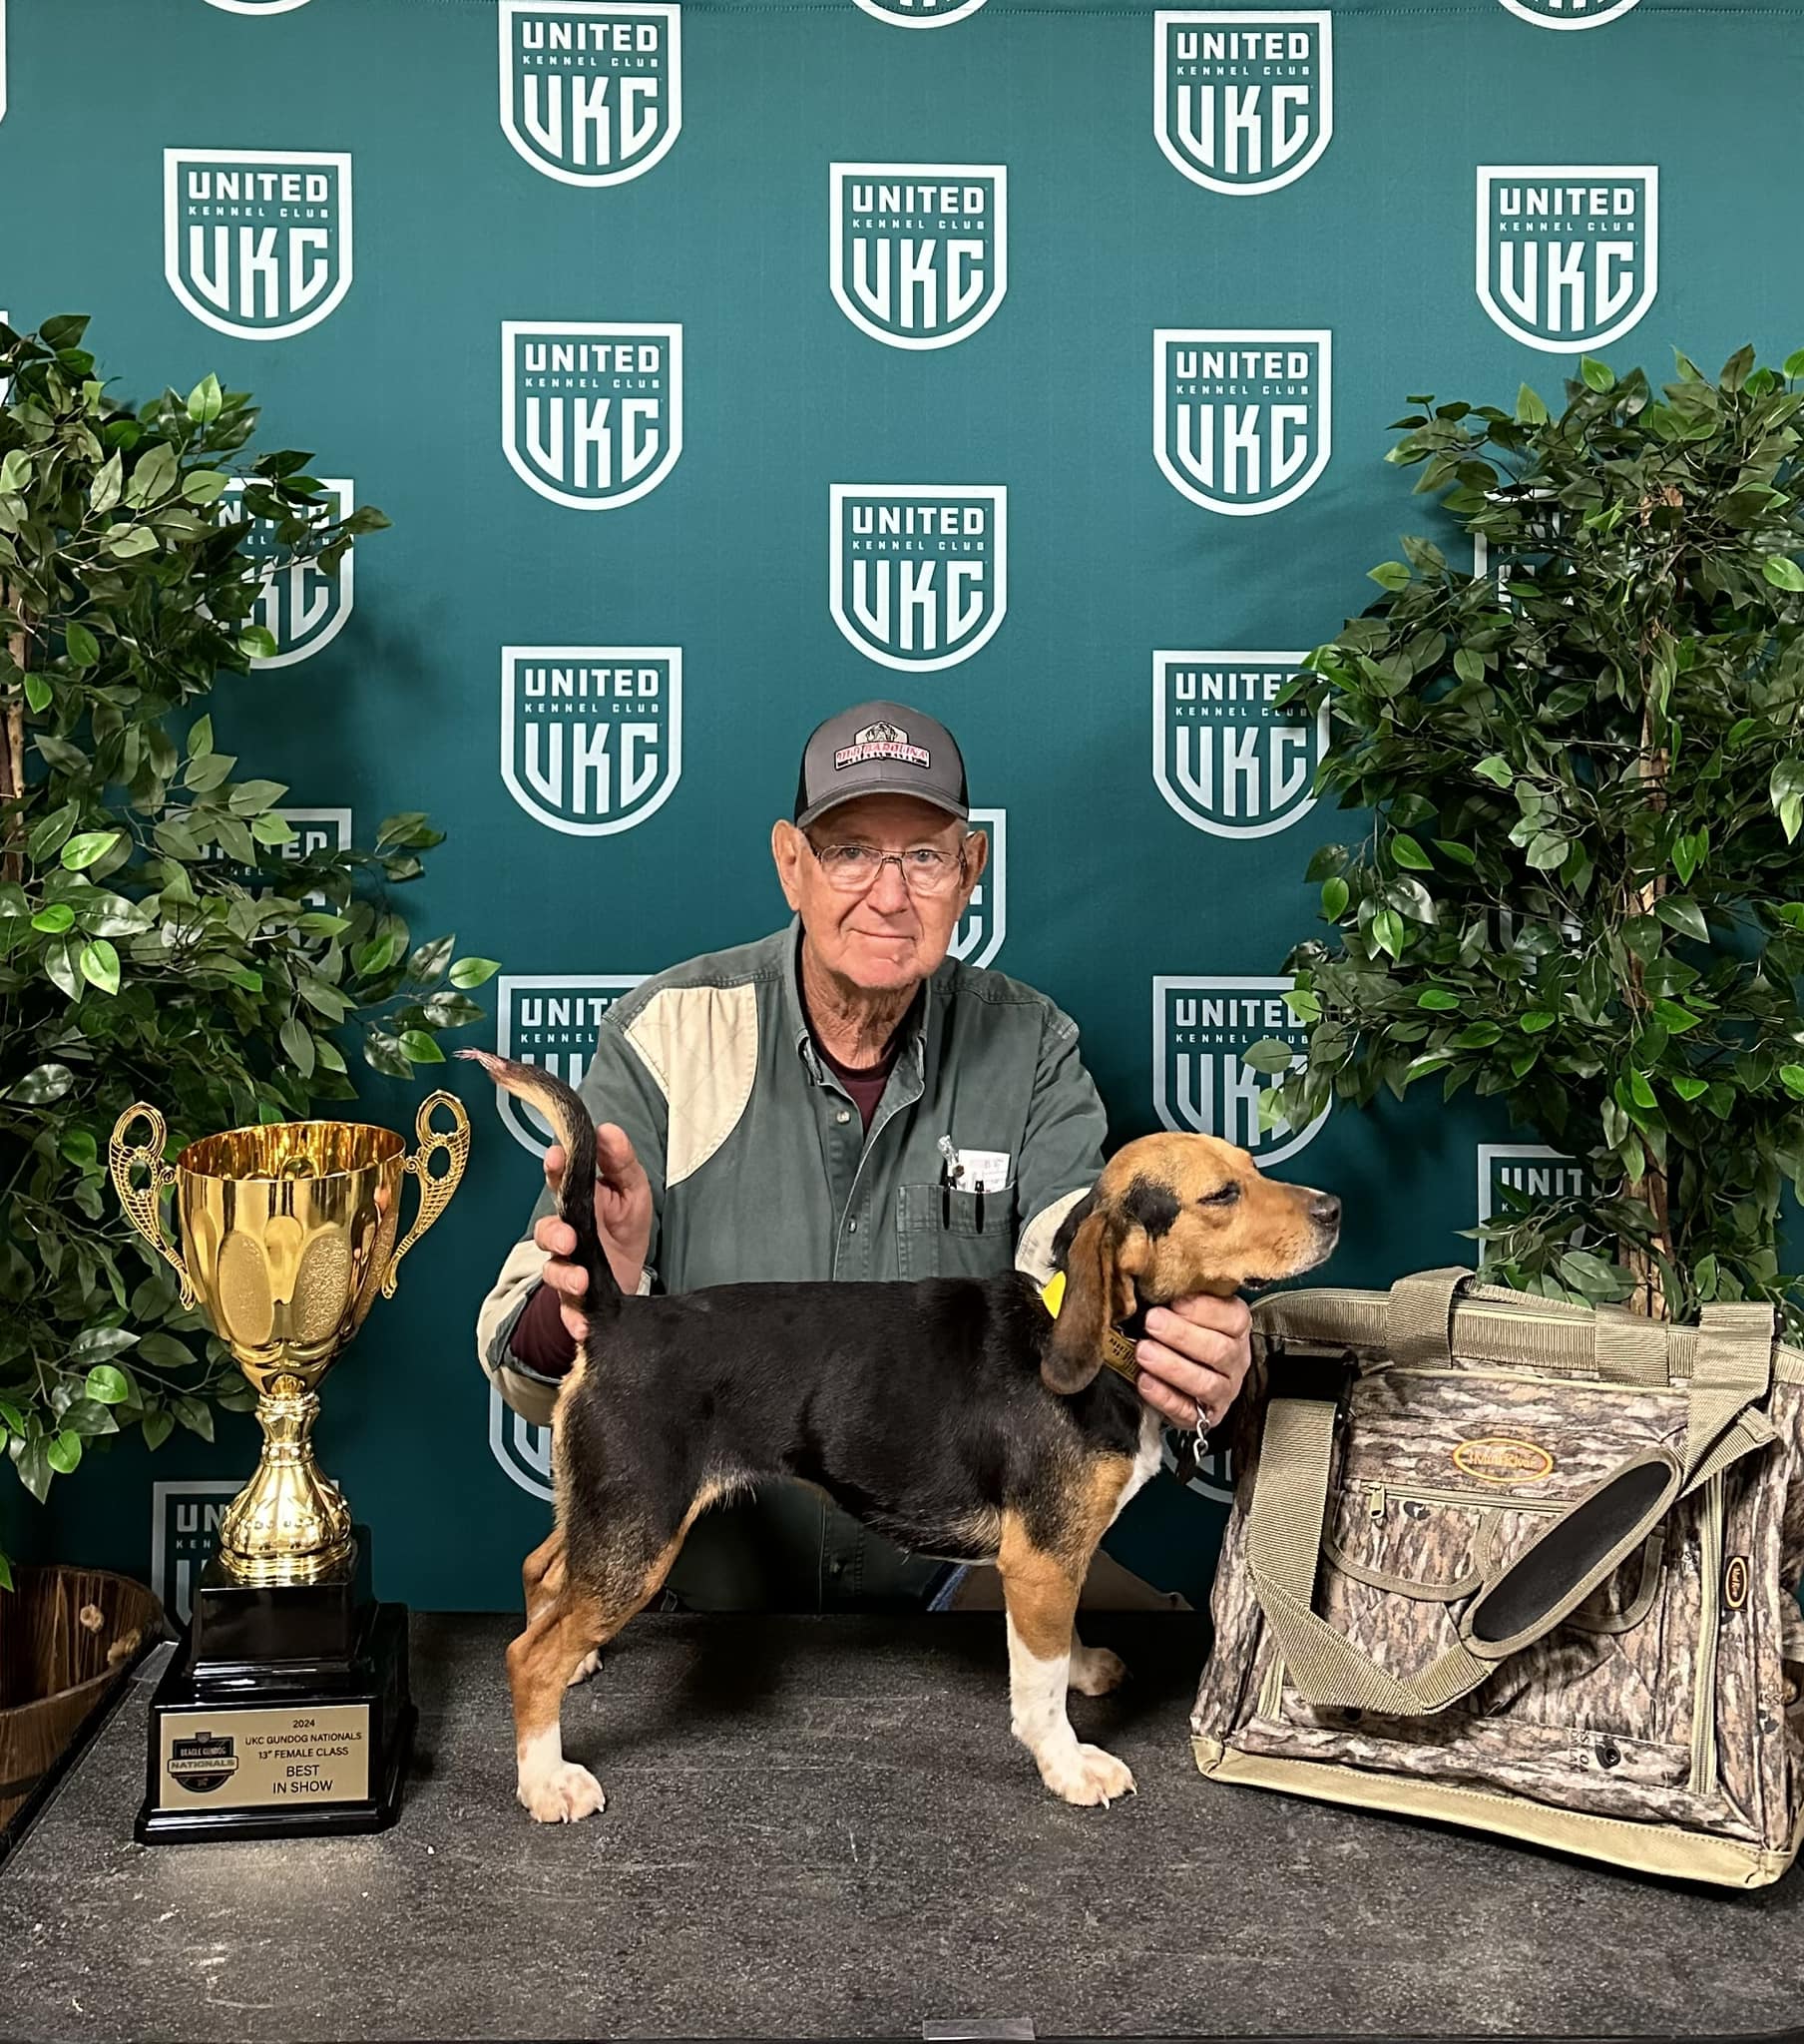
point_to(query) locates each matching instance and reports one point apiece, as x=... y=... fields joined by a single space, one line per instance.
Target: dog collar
x=1117 y=1350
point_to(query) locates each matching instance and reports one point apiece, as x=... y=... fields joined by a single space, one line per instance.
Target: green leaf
x=1391 y=575
x=1387 y=932
x=1335 y=895
x=1791 y=1077
x=130 y=542
x=40 y=1085
x=1406 y=852
x=469 y=973
x=83 y=647
x=109 y=485
x=15 y=472
x=1680 y=913
x=37 y=693
x=1269 y=1054
x=1598 y=375
x=1530 y=410
x=64 y=1453
x=205 y=400
x=1437 y=998
x=55 y=919
x=1476 y=1035
x=422 y=1048
x=157 y=1425
x=1469 y=665
x=200 y=736
x=1687 y=1087
x=100 y=965
x=87 y=850
x=257 y=642
x=1674 y=1017
x=1535 y=1021
x=194 y=1413
x=298 y=1042
x=1783 y=572
x=1494 y=767
x=107 y=1386
x=205 y=485
x=1640 y=1089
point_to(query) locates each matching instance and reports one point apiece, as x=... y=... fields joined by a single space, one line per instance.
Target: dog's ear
x=1068 y=1228
x=1105 y=1252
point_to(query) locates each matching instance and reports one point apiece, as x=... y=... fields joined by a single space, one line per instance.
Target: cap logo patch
x=880 y=742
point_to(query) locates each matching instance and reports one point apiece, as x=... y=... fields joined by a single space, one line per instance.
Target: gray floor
x=820 y=1827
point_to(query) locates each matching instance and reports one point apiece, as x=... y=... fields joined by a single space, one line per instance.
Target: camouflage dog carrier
x=1520 y=1566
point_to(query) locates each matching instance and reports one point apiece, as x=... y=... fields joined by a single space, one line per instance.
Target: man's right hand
x=623 y=1214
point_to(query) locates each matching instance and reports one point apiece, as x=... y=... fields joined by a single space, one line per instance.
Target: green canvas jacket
x=760 y=1170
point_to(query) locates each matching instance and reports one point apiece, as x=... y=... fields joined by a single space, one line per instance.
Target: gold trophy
x=288 y=1712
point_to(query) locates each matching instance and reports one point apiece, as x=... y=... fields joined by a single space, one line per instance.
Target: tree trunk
x=1650 y=1294
x=12 y=756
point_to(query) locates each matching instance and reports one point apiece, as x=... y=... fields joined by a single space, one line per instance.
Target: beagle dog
x=966 y=1417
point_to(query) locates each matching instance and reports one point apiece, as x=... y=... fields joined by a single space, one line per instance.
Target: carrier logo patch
x=1202 y=1025
x=590 y=736
x=301 y=605
x=919 y=251
x=185 y=1531
x=258 y=242
x=590 y=90
x=1568 y=255
x=919 y=13
x=592 y=409
x=1224 y=757
x=1568 y=13
x=1241 y=419
x=1502 y=1458
x=985 y=923
x=1244 y=98
x=918 y=572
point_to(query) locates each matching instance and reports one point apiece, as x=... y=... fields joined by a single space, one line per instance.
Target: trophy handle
x=435 y=1193
x=144 y=1204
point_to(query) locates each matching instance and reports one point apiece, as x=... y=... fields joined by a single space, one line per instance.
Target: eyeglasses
x=927 y=872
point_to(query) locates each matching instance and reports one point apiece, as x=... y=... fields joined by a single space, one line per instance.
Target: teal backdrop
x=661 y=332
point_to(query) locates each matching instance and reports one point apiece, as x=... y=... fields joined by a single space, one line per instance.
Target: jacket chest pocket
x=937 y=1233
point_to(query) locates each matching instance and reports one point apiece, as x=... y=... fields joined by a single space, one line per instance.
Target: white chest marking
x=1147 y=1459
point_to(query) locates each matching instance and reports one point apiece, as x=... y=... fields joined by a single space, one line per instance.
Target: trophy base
x=286 y=1712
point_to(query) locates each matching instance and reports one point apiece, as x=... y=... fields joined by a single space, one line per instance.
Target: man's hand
x=623 y=1213
x=1195 y=1357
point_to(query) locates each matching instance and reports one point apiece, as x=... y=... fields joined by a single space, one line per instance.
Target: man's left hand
x=1195 y=1358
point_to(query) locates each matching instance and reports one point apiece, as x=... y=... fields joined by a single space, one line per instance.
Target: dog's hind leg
x=562 y=1640
x=1095 y=1671
x=541 y=1576
x=1040 y=1592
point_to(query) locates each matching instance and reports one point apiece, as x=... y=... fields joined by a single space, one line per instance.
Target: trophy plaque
x=285 y=1709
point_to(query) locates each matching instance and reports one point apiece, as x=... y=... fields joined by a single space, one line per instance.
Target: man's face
x=887 y=937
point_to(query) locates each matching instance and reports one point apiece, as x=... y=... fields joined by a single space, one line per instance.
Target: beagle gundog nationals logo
x=1202 y=1026
x=590 y=90
x=1568 y=255
x=1244 y=98
x=1226 y=756
x=918 y=573
x=301 y=605
x=985 y=923
x=256 y=242
x=592 y=409
x=1242 y=417
x=919 y=253
x=590 y=736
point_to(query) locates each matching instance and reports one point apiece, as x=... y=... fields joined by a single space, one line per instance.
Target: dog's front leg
x=1041 y=1595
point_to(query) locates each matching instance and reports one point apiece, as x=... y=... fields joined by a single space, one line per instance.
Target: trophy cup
x=288 y=1708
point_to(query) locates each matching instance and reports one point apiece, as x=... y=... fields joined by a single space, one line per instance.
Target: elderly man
x=840 y=1100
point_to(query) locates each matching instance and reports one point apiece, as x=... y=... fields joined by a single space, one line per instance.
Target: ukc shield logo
x=1244 y=98
x=551 y=1019
x=185 y=1530
x=590 y=90
x=1226 y=756
x=1242 y=420
x=591 y=410
x=1200 y=1029
x=920 y=13
x=590 y=736
x=1514 y=1175
x=1568 y=13
x=522 y=1449
x=258 y=242
x=1568 y=255
x=919 y=571
x=257 y=6
x=985 y=923
x=919 y=251
x=302 y=606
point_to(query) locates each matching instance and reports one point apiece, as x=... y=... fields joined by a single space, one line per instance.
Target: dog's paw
x=586 y=1667
x=1086 y=1775
x=1095 y=1671
x=563 y=1796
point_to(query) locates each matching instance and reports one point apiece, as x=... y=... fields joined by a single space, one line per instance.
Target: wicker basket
x=67 y=1637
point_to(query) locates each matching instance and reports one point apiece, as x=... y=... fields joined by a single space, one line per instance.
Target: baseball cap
x=880 y=749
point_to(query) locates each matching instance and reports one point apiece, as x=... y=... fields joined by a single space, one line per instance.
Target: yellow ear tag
x=1117 y=1350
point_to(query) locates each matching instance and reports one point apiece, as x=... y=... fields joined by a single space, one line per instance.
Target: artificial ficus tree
x=160 y=934
x=1582 y=751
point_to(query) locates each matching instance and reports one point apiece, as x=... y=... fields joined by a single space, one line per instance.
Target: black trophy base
x=285 y=1713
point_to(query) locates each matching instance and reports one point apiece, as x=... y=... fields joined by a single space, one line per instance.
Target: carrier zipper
x=1703 y=1702
x=1378 y=1495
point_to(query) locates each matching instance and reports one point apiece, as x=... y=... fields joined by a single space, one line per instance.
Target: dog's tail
x=570 y=1124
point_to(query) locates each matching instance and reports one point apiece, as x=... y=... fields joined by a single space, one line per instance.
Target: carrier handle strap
x=1522 y=1601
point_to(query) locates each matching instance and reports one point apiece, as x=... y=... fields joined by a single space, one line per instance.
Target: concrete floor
x=820 y=1827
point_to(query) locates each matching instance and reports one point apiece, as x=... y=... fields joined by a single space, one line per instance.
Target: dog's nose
x=1324 y=1210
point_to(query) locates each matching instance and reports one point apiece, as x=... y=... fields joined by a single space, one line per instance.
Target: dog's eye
x=1224 y=1196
